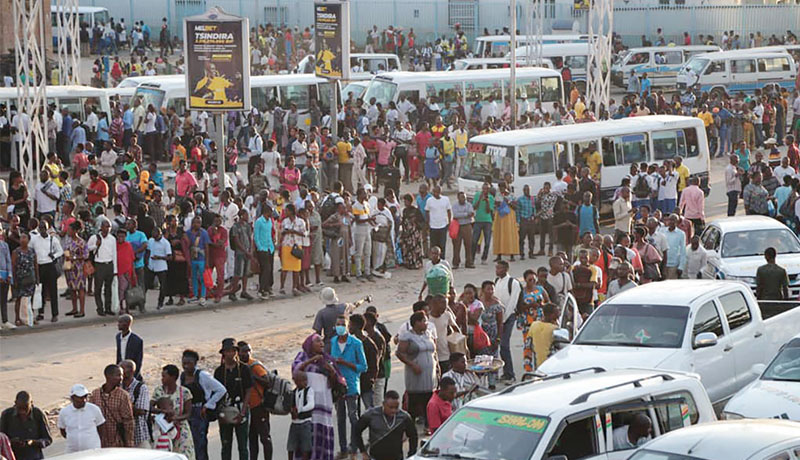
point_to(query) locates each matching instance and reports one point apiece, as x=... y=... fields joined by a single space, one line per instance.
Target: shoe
x=371 y=278
x=469 y=266
x=336 y=280
x=247 y=296
x=8 y=325
x=70 y=313
x=521 y=257
x=39 y=317
x=159 y=307
x=540 y=253
x=455 y=267
x=101 y=313
x=508 y=380
x=263 y=296
x=170 y=301
x=191 y=300
x=232 y=298
x=79 y=315
x=321 y=283
x=202 y=302
x=345 y=279
x=54 y=319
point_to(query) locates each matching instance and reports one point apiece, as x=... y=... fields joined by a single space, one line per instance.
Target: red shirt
x=794 y=156
x=438 y=411
x=79 y=162
x=218 y=236
x=423 y=138
x=99 y=186
x=125 y=258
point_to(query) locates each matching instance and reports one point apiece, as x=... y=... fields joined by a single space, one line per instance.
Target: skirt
x=506 y=236
x=177 y=279
x=431 y=169
x=289 y=263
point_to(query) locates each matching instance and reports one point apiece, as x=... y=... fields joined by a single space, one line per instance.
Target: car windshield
x=488 y=160
x=383 y=91
x=655 y=326
x=752 y=243
x=696 y=65
x=786 y=366
x=150 y=96
x=487 y=434
x=654 y=455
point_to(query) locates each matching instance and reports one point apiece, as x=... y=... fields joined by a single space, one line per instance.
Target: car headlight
x=731 y=416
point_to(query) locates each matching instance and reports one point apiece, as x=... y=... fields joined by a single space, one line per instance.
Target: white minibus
x=91 y=15
x=574 y=55
x=500 y=45
x=492 y=63
x=661 y=63
x=731 y=72
x=466 y=87
x=73 y=98
x=532 y=156
x=369 y=63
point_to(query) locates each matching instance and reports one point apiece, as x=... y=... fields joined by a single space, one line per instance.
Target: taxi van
x=121 y=454
x=573 y=415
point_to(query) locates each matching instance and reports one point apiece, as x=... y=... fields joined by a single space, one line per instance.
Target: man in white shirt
x=372 y=112
x=559 y=186
x=489 y=109
x=300 y=150
x=443 y=319
x=633 y=435
x=439 y=212
x=229 y=212
x=406 y=107
x=256 y=145
x=46 y=196
x=78 y=422
x=202 y=122
x=623 y=212
x=507 y=289
x=383 y=220
x=668 y=188
x=783 y=170
x=696 y=258
x=104 y=246
x=91 y=124
x=48 y=250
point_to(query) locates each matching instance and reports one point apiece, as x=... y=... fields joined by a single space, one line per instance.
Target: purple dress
x=76 y=248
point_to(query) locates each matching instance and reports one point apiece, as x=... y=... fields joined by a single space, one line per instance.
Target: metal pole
x=219 y=121
x=334 y=110
x=512 y=97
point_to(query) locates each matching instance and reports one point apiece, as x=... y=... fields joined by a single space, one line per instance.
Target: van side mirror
x=758 y=369
x=561 y=336
x=704 y=340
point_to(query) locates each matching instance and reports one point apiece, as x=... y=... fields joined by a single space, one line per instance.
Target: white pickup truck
x=716 y=329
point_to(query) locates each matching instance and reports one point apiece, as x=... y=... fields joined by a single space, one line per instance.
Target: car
x=714 y=328
x=728 y=440
x=571 y=415
x=121 y=454
x=736 y=247
x=776 y=393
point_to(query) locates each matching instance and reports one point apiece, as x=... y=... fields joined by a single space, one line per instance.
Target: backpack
x=277 y=397
x=135 y=198
x=328 y=207
x=642 y=189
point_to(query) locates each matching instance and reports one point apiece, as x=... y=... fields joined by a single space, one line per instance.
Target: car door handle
x=728 y=348
x=758 y=334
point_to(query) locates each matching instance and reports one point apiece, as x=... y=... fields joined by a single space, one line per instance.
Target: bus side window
x=562 y=156
x=538 y=158
x=411 y=95
x=633 y=148
x=610 y=155
x=692 y=148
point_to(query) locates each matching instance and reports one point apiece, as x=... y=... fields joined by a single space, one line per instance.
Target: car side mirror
x=705 y=339
x=758 y=369
x=561 y=336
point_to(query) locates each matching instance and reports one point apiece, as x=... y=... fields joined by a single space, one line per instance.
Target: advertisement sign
x=581 y=4
x=331 y=42
x=216 y=50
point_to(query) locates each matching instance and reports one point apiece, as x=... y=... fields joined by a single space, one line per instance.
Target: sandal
x=180 y=302
x=71 y=313
x=79 y=315
x=19 y=322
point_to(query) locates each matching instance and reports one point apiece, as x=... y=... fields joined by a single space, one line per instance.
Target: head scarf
x=307 y=354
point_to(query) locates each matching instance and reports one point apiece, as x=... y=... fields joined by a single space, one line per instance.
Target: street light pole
x=513 y=65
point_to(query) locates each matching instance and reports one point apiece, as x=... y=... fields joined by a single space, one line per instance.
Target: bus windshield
x=382 y=90
x=150 y=96
x=488 y=160
x=696 y=65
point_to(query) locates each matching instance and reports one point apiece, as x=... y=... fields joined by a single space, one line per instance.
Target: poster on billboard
x=332 y=59
x=216 y=51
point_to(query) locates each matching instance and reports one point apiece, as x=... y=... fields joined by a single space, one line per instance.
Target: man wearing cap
x=325 y=321
x=79 y=422
x=117 y=410
x=237 y=379
x=259 y=417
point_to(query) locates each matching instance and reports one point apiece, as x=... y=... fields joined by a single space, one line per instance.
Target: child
x=164 y=432
x=300 y=432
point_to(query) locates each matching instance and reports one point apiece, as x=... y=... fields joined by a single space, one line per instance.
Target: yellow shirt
x=448 y=146
x=579 y=107
x=683 y=176
x=707 y=118
x=54 y=170
x=541 y=335
x=461 y=139
x=573 y=96
x=344 y=148
x=594 y=162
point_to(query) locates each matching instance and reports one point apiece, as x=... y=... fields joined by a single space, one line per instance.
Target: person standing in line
x=545 y=207
x=464 y=213
x=675 y=255
x=372 y=353
x=129 y=345
x=733 y=184
x=79 y=422
x=692 y=205
x=483 y=203
x=48 y=250
x=265 y=251
x=383 y=348
x=389 y=426
x=348 y=353
x=117 y=410
x=26 y=427
x=362 y=235
x=206 y=392
x=439 y=212
x=159 y=251
x=623 y=213
x=6 y=281
x=198 y=247
x=140 y=400
x=772 y=283
x=242 y=244
x=238 y=382
x=104 y=247
x=217 y=253
x=525 y=211
x=259 y=417
x=508 y=290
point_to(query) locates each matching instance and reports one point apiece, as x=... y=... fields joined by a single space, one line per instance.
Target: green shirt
x=131 y=168
x=481 y=215
x=770 y=280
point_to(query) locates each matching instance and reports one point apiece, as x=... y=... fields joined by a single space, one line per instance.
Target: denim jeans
x=346 y=408
x=733 y=202
x=226 y=431
x=486 y=229
x=368 y=398
x=198 y=287
x=199 y=426
x=505 y=346
x=724 y=140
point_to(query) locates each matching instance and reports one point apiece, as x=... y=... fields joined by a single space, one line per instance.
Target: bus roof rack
x=531 y=377
x=636 y=383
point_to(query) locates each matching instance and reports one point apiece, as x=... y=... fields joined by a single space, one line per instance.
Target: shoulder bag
x=58 y=262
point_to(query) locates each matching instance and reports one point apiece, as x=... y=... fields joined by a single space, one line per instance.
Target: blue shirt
x=353 y=353
x=159 y=248
x=78 y=136
x=781 y=194
x=198 y=242
x=102 y=129
x=137 y=239
x=586 y=217
x=157 y=179
x=524 y=208
x=262 y=235
x=127 y=119
x=421 y=204
x=66 y=126
x=676 y=248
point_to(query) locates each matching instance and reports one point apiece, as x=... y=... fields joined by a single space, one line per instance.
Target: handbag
x=134 y=296
x=381 y=234
x=338 y=387
x=504 y=209
x=208 y=278
x=652 y=271
x=455 y=227
x=480 y=339
x=297 y=252
x=457 y=342
x=58 y=262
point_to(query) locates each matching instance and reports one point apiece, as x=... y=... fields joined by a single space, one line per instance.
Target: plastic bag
x=35 y=304
x=115 y=295
x=27 y=307
x=208 y=278
x=326 y=262
x=455 y=227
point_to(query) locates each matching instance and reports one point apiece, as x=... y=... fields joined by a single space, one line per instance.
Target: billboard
x=216 y=51
x=331 y=42
x=581 y=4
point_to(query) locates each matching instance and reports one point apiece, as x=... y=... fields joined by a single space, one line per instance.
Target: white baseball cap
x=78 y=390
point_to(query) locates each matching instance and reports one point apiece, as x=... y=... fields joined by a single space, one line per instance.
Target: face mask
x=341 y=330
